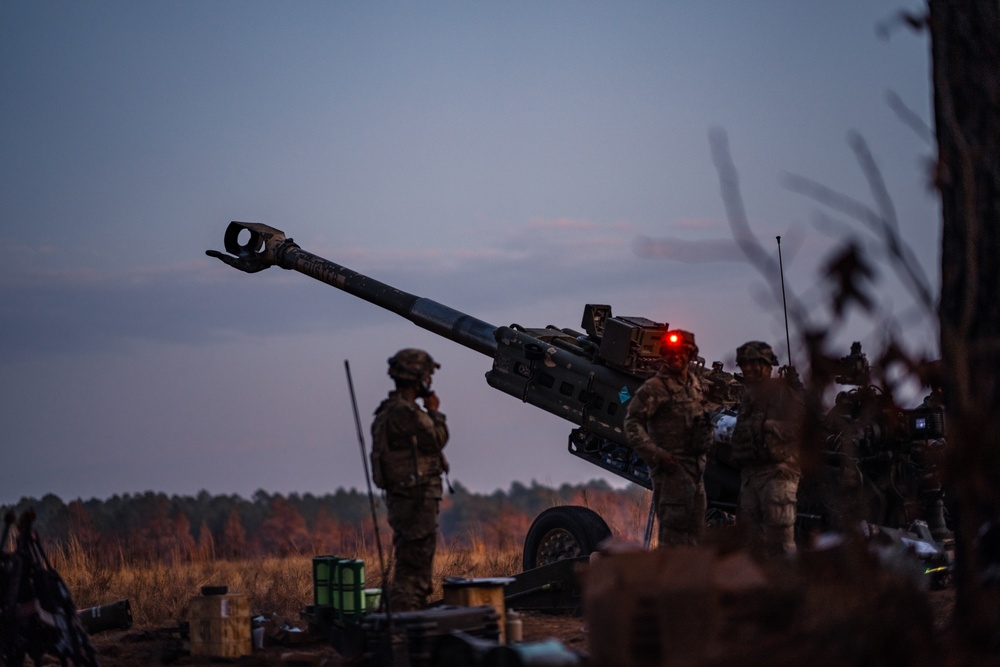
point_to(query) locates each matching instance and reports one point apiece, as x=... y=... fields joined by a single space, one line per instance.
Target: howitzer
x=585 y=377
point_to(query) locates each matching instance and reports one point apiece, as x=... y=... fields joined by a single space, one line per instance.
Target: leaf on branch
x=917 y=22
x=848 y=271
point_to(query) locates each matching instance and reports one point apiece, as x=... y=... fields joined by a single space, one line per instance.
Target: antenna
x=784 y=304
x=371 y=497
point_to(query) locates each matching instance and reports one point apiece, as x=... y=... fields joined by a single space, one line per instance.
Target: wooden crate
x=219 y=625
x=475 y=592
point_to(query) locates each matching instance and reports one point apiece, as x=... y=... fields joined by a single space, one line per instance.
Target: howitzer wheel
x=563 y=532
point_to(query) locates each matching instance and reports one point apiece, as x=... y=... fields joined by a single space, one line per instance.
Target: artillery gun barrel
x=266 y=246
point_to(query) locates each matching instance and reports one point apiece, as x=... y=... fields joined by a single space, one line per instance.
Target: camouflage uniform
x=667 y=414
x=765 y=442
x=407 y=462
x=931 y=457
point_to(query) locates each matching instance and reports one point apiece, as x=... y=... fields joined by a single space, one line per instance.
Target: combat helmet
x=755 y=350
x=677 y=340
x=411 y=364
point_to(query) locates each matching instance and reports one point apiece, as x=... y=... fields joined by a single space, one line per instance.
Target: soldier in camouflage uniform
x=765 y=443
x=931 y=457
x=407 y=462
x=668 y=427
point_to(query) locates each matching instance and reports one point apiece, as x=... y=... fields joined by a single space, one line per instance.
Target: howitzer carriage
x=585 y=377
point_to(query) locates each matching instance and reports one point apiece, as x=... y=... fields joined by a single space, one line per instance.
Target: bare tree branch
x=910 y=118
x=882 y=223
x=742 y=234
x=904 y=260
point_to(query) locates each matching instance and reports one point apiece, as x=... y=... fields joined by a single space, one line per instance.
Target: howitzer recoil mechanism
x=584 y=377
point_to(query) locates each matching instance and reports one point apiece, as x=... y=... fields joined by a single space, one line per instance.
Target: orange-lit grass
x=158 y=593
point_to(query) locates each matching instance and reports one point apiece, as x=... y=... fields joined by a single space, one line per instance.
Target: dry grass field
x=279 y=587
x=159 y=593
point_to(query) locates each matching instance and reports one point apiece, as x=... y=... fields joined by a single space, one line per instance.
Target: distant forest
x=156 y=527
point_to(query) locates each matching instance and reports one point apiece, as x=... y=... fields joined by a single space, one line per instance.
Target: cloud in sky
x=512 y=161
x=684 y=250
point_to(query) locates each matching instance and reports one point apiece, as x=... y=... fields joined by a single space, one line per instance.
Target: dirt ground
x=164 y=646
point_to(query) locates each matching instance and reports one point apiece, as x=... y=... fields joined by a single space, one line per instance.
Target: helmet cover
x=679 y=340
x=755 y=350
x=411 y=364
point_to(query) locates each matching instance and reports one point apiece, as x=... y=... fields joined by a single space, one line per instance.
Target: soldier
x=931 y=454
x=765 y=443
x=407 y=462
x=668 y=427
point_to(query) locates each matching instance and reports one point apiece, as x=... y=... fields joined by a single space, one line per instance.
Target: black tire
x=563 y=532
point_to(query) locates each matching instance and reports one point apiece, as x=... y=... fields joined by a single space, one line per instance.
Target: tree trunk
x=965 y=43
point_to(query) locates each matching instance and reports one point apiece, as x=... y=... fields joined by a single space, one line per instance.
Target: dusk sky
x=513 y=160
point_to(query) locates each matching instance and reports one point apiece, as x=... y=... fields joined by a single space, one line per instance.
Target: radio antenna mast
x=784 y=304
x=371 y=495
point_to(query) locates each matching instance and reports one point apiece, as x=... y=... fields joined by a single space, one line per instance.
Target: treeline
x=152 y=526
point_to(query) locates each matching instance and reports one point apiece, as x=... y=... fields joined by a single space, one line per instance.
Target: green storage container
x=350 y=596
x=324 y=580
